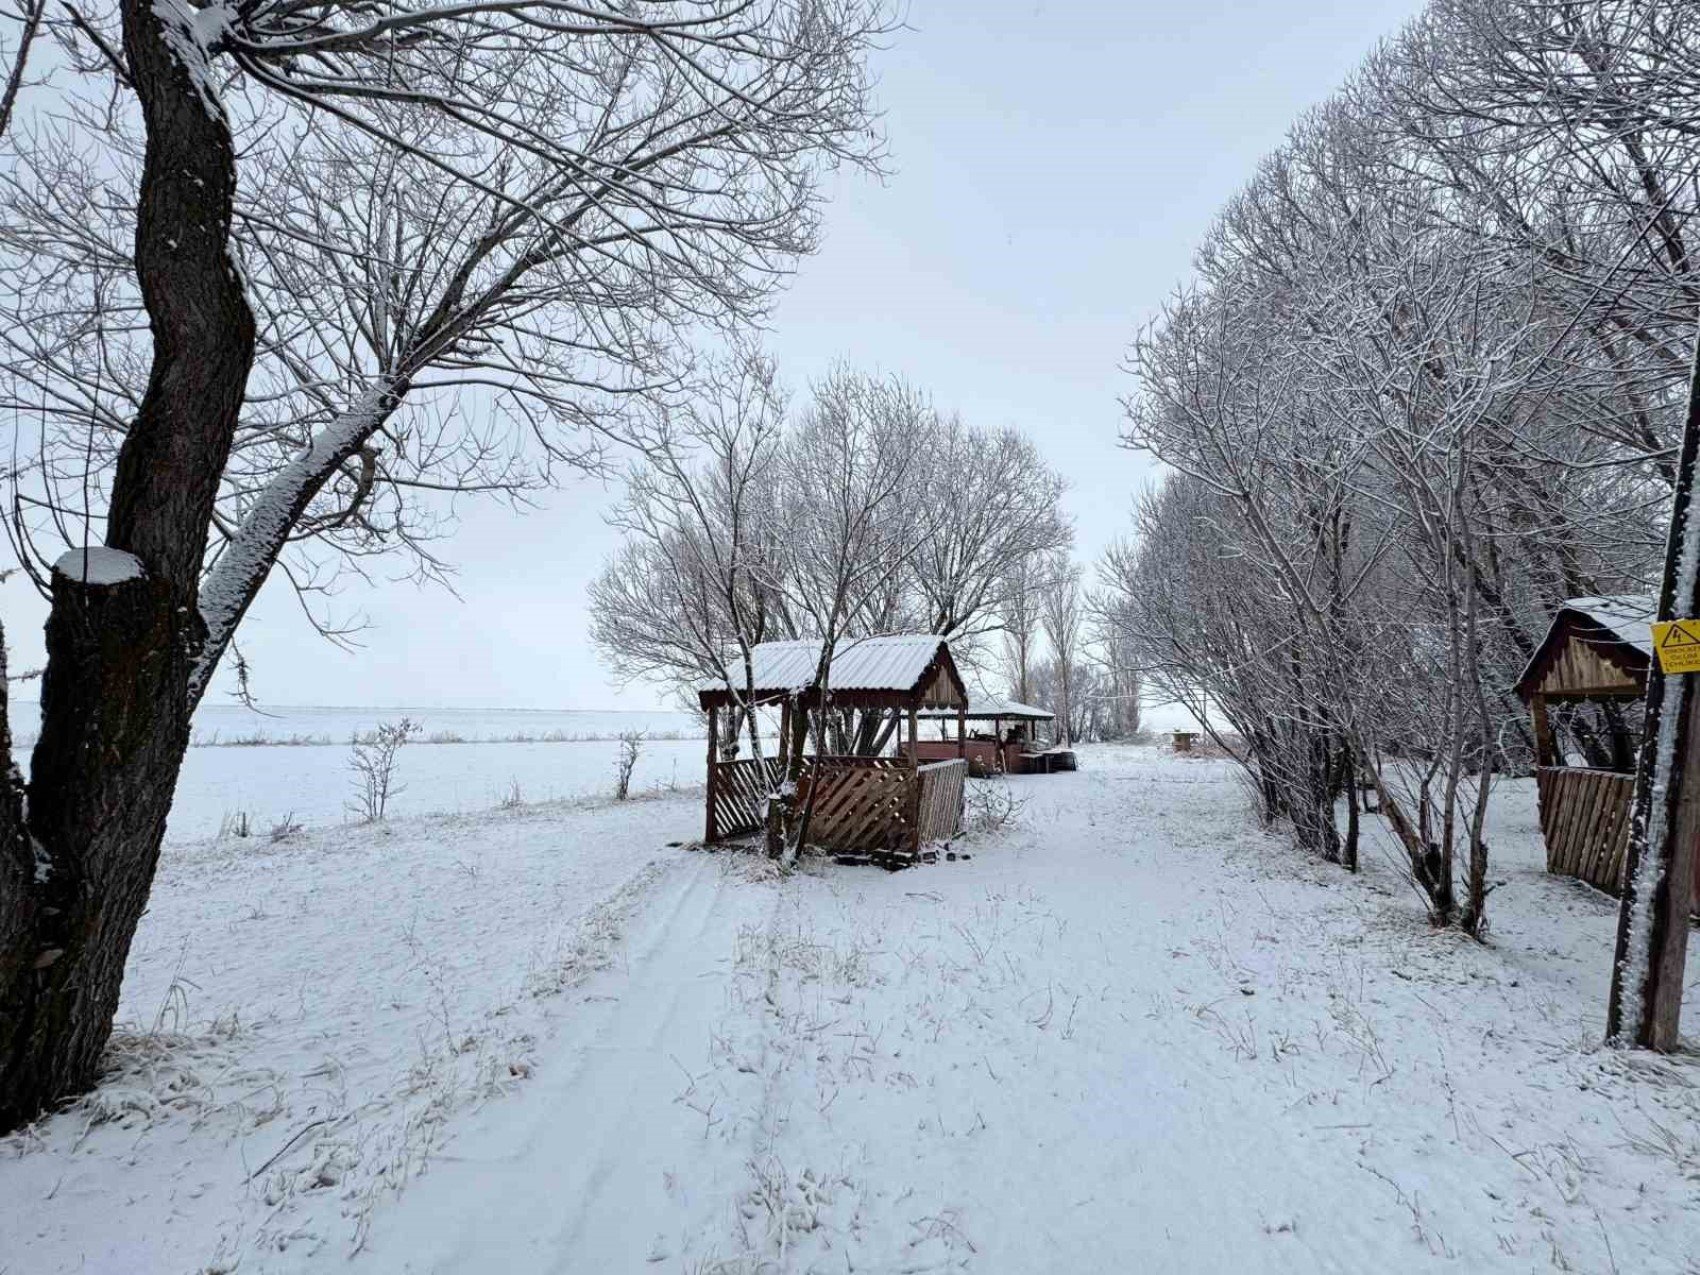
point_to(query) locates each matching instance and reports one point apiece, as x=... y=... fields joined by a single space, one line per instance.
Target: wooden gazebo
x=1010 y=748
x=1599 y=650
x=887 y=806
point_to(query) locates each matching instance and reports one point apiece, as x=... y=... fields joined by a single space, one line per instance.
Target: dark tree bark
x=1645 y=1006
x=1349 y=848
x=115 y=703
x=19 y=906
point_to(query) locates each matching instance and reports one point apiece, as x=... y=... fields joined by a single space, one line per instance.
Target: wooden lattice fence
x=861 y=805
x=738 y=795
x=874 y=806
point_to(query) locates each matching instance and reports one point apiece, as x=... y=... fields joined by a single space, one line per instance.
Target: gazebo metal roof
x=895 y=670
x=987 y=708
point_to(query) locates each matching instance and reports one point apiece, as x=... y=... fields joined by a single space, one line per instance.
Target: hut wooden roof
x=1594 y=647
x=894 y=671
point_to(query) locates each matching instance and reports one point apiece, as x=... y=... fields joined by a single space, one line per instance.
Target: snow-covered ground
x=1131 y=1032
x=313 y=786
x=305 y=777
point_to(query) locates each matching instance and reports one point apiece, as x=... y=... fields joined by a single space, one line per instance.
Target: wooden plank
x=1601 y=839
x=1594 y=790
x=1617 y=836
x=940 y=803
x=741 y=791
x=1564 y=807
x=1544 y=799
x=1600 y=873
x=1568 y=834
x=1585 y=816
x=1617 y=798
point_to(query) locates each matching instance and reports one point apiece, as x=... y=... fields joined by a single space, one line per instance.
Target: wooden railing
x=1585 y=820
x=737 y=795
x=860 y=804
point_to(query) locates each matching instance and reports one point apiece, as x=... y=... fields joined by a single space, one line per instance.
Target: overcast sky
x=1053 y=167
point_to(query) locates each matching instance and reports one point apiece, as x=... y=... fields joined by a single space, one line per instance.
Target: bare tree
x=16 y=58
x=1061 y=615
x=993 y=506
x=594 y=157
x=708 y=569
x=1020 y=614
x=690 y=593
x=845 y=532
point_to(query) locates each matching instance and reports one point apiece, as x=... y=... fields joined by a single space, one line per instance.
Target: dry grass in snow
x=304 y=1019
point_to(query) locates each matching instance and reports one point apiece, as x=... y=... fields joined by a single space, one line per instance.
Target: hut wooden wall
x=1578 y=669
x=1585 y=819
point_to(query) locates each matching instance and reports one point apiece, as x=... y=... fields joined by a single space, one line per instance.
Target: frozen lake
x=293 y=762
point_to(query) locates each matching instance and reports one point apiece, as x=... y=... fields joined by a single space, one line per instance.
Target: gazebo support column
x=711 y=833
x=1544 y=752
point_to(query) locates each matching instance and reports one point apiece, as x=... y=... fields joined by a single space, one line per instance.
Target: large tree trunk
x=115 y=703
x=19 y=907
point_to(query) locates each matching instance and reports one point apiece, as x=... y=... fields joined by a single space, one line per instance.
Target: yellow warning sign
x=1678 y=645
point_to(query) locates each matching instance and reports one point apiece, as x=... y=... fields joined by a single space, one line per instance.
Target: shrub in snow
x=991 y=806
x=631 y=745
x=373 y=761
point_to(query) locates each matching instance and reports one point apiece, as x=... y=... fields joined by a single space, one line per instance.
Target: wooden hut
x=885 y=807
x=1597 y=650
x=1001 y=738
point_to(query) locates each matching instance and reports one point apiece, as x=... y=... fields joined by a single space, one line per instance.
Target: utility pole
x=1652 y=928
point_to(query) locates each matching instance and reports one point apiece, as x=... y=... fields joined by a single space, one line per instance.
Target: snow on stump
x=99 y=566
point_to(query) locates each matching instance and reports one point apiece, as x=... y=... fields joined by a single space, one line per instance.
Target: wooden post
x=711 y=833
x=784 y=732
x=1645 y=1008
x=914 y=736
x=961 y=730
x=912 y=802
x=1543 y=731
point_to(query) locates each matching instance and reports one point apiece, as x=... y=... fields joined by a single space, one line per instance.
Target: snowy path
x=1129 y=1034
x=565 y=1176
x=305 y=1021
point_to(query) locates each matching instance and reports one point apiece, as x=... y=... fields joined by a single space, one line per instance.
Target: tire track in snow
x=579 y=1172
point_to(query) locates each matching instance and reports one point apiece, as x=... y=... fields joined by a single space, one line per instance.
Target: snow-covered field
x=304 y=776
x=1131 y=1032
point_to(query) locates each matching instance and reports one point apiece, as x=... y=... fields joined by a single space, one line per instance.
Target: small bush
x=991 y=805
x=372 y=758
x=631 y=745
